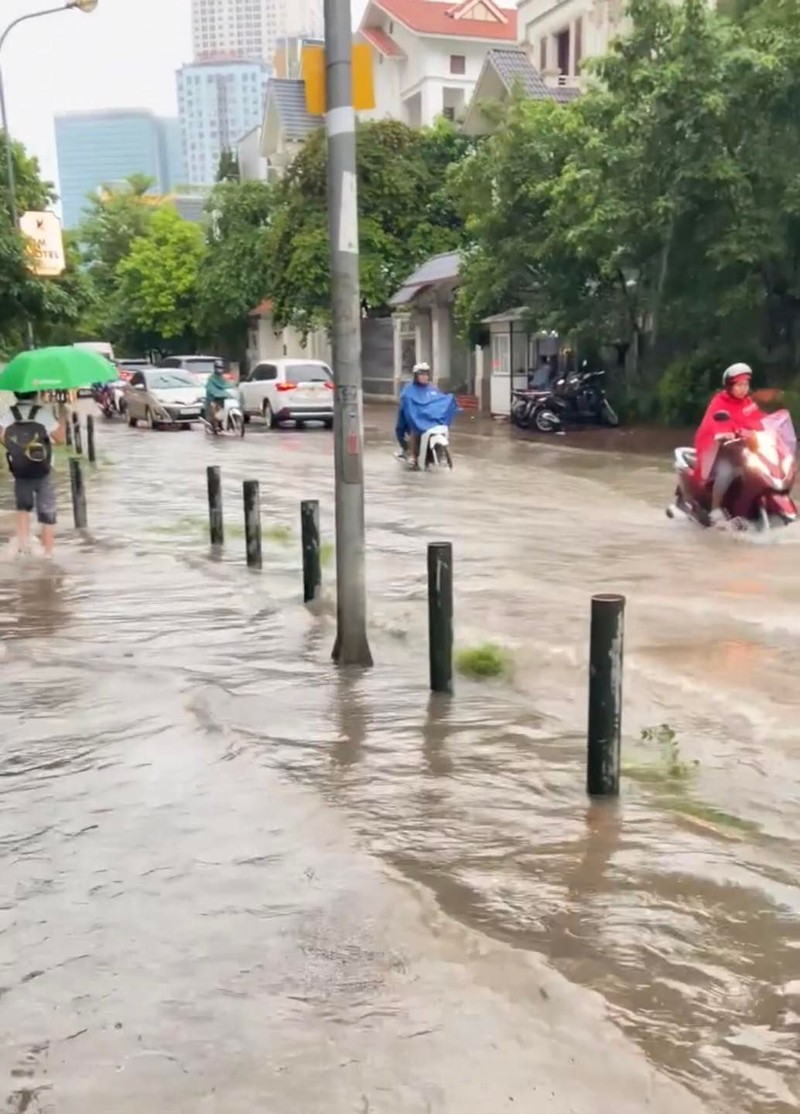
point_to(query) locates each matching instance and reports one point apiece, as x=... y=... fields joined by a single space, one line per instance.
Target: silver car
x=163 y=396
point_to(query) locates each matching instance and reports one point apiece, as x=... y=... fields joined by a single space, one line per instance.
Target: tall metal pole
x=352 y=646
x=82 y=5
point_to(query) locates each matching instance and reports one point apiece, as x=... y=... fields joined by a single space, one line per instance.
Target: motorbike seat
x=686 y=459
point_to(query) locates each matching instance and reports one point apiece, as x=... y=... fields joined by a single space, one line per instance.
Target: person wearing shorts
x=34 y=494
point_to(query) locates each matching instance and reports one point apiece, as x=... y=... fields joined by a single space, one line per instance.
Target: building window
x=458 y=64
x=542 y=55
x=562 y=51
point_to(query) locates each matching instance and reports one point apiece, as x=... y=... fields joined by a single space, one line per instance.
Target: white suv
x=288 y=391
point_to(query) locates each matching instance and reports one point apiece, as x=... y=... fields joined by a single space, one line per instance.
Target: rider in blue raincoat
x=422 y=406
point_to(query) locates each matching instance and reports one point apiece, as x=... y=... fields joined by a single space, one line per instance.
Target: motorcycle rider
x=734 y=399
x=408 y=436
x=217 y=390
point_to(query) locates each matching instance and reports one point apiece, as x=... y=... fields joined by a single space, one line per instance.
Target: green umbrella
x=56 y=369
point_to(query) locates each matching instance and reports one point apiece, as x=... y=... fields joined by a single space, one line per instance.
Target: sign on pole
x=45 y=243
x=313 y=68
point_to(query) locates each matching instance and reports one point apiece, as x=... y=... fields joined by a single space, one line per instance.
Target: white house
x=560 y=33
x=428 y=55
x=252 y=164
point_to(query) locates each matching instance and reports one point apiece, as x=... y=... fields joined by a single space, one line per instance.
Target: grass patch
x=669 y=765
x=188 y=524
x=280 y=534
x=487 y=660
x=699 y=810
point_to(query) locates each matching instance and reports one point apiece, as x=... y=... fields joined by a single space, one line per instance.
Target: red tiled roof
x=262 y=309
x=382 y=42
x=429 y=17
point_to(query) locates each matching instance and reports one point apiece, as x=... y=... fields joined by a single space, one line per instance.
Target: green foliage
x=234 y=276
x=405 y=215
x=660 y=211
x=158 y=280
x=48 y=303
x=671 y=766
x=228 y=167
x=486 y=660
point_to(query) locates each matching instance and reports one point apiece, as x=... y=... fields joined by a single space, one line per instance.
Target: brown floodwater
x=229 y=869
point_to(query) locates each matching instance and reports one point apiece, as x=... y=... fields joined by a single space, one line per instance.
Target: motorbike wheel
x=520 y=417
x=545 y=421
x=441 y=457
x=609 y=414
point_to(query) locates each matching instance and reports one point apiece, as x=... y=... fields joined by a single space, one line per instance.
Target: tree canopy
x=404 y=216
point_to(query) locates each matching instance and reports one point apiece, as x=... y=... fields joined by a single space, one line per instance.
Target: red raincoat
x=744 y=413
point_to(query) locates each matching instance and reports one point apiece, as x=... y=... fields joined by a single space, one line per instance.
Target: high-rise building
x=250 y=28
x=103 y=148
x=218 y=102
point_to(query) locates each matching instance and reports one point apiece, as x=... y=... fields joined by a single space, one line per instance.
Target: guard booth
x=514 y=349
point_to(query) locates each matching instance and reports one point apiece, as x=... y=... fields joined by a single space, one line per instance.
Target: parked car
x=201 y=366
x=163 y=396
x=289 y=391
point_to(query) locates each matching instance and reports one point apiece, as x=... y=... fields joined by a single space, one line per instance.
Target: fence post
x=78 y=494
x=76 y=434
x=440 y=616
x=90 y=449
x=312 y=568
x=215 y=523
x=605 y=695
x=252 y=523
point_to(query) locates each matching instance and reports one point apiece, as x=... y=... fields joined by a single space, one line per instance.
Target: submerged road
x=235 y=879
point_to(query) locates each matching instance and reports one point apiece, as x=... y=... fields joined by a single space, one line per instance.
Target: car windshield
x=307 y=373
x=205 y=367
x=170 y=380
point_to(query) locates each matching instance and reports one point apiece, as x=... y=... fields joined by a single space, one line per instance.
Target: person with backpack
x=28 y=431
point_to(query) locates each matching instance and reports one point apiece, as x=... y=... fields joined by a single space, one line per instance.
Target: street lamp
x=79 y=5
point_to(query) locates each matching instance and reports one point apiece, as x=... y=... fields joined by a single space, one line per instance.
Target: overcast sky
x=123 y=55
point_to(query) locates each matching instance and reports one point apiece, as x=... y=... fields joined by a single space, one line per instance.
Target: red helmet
x=734 y=372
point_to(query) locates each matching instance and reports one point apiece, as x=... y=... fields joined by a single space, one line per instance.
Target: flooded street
x=236 y=879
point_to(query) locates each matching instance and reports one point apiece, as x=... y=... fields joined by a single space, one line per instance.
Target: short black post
x=440 y=615
x=76 y=434
x=90 y=449
x=215 y=524
x=67 y=425
x=605 y=696
x=312 y=568
x=252 y=523
x=78 y=494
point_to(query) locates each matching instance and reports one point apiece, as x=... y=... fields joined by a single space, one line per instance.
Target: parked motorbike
x=111 y=399
x=533 y=410
x=766 y=464
x=581 y=398
x=228 y=423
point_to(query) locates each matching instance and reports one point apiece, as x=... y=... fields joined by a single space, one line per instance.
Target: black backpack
x=29 y=450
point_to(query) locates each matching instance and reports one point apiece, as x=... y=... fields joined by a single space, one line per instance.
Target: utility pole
x=352 y=646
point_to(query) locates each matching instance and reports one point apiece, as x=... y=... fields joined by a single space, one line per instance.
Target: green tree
x=44 y=302
x=116 y=216
x=234 y=276
x=157 y=294
x=400 y=170
x=228 y=166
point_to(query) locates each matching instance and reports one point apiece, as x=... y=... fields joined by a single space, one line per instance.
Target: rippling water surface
x=135 y=657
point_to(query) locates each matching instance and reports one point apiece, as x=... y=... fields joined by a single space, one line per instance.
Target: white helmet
x=736 y=371
x=421 y=369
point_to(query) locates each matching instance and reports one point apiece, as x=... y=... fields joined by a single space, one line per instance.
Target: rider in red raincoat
x=735 y=400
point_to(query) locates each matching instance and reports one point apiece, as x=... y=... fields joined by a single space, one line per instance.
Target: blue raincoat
x=422 y=407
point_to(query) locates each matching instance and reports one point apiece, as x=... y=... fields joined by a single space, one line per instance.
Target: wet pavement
x=235 y=879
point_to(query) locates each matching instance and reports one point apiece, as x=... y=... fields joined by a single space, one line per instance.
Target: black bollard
x=76 y=434
x=78 y=494
x=440 y=615
x=312 y=568
x=215 y=523
x=252 y=523
x=605 y=696
x=90 y=449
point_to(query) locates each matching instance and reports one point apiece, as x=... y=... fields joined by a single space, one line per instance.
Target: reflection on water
x=679 y=904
